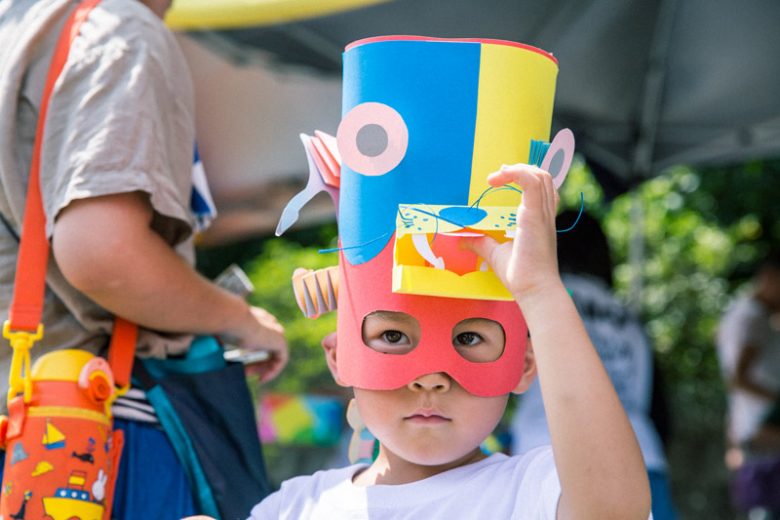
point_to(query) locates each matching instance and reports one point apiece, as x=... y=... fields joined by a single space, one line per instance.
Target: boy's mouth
x=427 y=416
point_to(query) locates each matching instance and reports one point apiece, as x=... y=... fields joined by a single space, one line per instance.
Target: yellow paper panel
x=515 y=101
x=482 y=285
x=422 y=218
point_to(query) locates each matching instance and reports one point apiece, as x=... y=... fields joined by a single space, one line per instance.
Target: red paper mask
x=367 y=289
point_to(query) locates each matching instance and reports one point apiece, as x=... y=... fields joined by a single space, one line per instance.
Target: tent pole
x=636 y=251
x=649 y=115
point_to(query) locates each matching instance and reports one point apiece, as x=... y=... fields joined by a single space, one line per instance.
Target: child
x=430 y=344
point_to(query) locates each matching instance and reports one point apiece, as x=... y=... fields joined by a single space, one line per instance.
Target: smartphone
x=235 y=280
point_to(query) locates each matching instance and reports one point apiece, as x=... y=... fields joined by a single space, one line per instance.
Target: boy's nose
x=436 y=382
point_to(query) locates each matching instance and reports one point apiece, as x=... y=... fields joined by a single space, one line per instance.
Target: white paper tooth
x=311 y=309
x=331 y=293
x=321 y=305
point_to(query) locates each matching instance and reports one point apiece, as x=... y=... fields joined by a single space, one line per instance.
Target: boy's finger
x=482 y=246
x=512 y=172
x=529 y=178
x=549 y=197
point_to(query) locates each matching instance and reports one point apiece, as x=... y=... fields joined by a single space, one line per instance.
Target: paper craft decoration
x=323 y=159
x=303 y=419
x=428 y=259
x=462 y=109
x=558 y=159
x=424 y=121
x=317 y=291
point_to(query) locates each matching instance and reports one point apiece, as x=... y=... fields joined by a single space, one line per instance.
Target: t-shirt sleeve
x=121 y=120
x=539 y=489
x=268 y=509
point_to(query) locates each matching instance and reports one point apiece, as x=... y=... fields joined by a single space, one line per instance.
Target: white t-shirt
x=747 y=322
x=520 y=487
x=623 y=347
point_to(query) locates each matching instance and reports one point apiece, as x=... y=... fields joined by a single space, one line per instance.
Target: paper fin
x=316 y=292
x=327 y=157
x=316 y=183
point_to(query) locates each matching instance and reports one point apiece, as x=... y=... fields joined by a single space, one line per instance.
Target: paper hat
x=424 y=121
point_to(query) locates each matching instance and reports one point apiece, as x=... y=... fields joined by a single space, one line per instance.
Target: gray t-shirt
x=626 y=353
x=121 y=119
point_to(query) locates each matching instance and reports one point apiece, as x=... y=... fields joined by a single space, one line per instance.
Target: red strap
x=30 y=280
x=122 y=350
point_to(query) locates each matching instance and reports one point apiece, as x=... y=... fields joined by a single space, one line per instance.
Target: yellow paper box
x=426 y=256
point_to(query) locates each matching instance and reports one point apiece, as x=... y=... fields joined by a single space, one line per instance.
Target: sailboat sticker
x=53 y=438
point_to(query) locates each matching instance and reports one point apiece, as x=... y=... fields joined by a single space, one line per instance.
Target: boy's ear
x=529 y=372
x=329 y=346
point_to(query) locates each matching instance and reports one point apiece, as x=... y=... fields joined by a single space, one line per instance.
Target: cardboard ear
x=557 y=160
x=329 y=347
x=529 y=372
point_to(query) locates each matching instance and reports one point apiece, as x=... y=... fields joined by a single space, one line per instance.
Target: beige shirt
x=120 y=120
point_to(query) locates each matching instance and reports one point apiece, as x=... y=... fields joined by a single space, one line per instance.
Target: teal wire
x=437 y=217
x=579 y=215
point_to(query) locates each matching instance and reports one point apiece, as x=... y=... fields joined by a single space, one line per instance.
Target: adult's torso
x=120 y=120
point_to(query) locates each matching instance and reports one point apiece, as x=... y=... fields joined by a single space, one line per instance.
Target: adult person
x=748 y=344
x=620 y=340
x=116 y=182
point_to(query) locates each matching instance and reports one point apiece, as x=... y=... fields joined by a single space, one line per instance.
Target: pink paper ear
x=557 y=160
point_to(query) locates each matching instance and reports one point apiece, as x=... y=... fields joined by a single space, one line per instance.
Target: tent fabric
x=644 y=84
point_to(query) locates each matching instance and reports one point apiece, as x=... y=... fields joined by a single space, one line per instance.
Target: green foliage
x=271 y=273
x=701 y=232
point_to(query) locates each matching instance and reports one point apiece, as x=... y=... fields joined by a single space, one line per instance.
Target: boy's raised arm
x=599 y=463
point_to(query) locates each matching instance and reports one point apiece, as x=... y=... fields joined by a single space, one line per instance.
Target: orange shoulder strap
x=30 y=279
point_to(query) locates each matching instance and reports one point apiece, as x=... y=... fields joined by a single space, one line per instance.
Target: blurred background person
x=748 y=343
x=618 y=335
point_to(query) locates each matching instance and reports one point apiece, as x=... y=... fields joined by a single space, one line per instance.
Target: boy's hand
x=527 y=265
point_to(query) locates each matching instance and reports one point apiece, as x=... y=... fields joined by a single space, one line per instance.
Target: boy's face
x=432 y=420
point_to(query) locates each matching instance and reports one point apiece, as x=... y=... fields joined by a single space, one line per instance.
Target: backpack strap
x=24 y=326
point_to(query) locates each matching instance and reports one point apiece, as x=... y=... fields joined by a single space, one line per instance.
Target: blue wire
x=579 y=215
x=335 y=249
x=437 y=217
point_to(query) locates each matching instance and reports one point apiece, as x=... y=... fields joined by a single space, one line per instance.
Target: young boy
x=430 y=344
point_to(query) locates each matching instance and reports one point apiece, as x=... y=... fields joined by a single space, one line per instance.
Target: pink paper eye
x=372 y=138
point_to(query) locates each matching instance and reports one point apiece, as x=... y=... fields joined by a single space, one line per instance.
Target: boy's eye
x=467 y=339
x=479 y=340
x=391 y=332
x=394 y=336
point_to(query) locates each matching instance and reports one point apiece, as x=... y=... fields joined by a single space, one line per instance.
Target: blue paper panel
x=433 y=85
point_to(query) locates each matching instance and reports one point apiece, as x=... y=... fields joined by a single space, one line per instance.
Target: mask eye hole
x=372 y=138
x=390 y=332
x=479 y=340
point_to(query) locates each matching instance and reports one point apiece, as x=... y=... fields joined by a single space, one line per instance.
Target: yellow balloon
x=228 y=14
